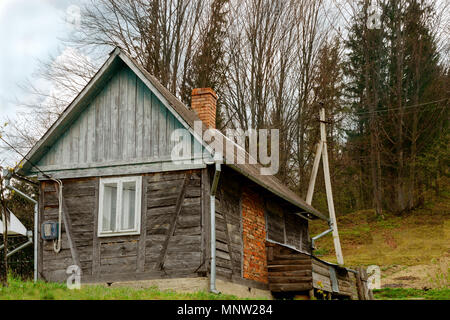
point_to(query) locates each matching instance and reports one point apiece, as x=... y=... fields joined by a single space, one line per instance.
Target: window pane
x=109 y=207
x=128 y=205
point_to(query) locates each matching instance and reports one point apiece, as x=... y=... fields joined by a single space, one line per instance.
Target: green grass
x=27 y=290
x=411 y=294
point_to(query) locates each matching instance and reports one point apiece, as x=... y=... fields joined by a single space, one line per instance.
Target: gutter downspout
x=215 y=183
x=8 y=185
x=322 y=234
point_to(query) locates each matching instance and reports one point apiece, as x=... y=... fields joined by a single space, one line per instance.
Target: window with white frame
x=120 y=206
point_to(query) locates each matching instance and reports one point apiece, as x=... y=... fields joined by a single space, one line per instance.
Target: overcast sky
x=29 y=30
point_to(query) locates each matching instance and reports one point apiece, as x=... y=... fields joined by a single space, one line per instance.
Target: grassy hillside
x=413 y=250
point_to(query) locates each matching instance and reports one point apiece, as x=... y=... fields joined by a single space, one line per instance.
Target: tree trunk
x=414 y=130
x=400 y=192
x=371 y=101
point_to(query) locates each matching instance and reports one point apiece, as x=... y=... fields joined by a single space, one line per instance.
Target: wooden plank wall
x=184 y=240
x=167 y=236
x=171 y=243
x=125 y=123
x=294 y=272
x=322 y=279
x=229 y=256
x=282 y=227
x=289 y=271
x=287 y=228
x=80 y=198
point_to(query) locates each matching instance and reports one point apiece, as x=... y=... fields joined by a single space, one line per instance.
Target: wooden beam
x=329 y=191
x=359 y=285
x=297 y=279
x=293 y=261
x=312 y=181
x=143 y=236
x=283 y=268
x=173 y=223
x=289 y=287
x=68 y=226
x=95 y=240
x=129 y=169
x=205 y=225
x=40 y=242
x=227 y=234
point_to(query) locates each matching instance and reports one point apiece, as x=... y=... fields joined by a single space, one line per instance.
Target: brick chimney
x=204 y=102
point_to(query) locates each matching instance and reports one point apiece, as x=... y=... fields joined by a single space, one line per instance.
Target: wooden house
x=130 y=214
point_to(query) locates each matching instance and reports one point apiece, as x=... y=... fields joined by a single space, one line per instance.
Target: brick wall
x=254 y=237
x=204 y=102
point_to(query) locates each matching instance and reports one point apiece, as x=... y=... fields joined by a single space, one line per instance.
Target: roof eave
x=310 y=210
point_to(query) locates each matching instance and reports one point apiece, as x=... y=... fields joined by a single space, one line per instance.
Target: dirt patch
x=390 y=240
x=429 y=276
x=393 y=285
x=406 y=278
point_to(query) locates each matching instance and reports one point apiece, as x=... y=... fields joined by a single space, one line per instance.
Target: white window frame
x=137 y=223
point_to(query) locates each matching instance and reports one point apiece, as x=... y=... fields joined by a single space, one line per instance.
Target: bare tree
x=158 y=34
x=313 y=31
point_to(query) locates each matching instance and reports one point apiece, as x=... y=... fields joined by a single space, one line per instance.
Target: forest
x=379 y=68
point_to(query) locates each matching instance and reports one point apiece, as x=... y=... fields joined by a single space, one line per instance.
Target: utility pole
x=322 y=152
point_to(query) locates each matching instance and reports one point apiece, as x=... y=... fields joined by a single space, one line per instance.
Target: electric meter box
x=49 y=230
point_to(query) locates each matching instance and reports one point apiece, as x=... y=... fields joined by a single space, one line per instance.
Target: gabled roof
x=185 y=115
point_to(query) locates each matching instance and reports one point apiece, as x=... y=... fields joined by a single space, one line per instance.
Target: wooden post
x=323 y=152
x=326 y=171
x=364 y=293
x=312 y=181
x=68 y=227
x=173 y=224
x=359 y=285
x=96 y=240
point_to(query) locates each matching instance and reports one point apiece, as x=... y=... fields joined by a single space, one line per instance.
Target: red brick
x=254 y=237
x=204 y=101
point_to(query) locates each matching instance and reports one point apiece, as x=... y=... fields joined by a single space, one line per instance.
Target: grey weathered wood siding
x=288 y=229
x=169 y=244
x=80 y=197
x=174 y=230
x=124 y=124
x=281 y=226
x=229 y=229
x=176 y=233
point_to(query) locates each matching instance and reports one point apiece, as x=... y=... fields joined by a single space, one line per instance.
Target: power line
x=406 y=107
x=24 y=157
